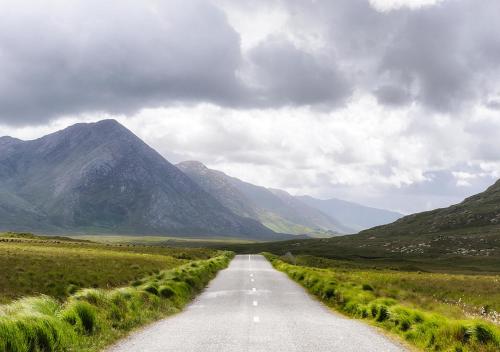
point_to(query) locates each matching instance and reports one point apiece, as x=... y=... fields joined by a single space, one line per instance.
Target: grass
x=454 y=295
x=57 y=266
x=406 y=304
x=159 y=240
x=91 y=319
x=467 y=254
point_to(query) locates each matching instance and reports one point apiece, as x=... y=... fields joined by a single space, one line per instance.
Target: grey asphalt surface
x=250 y=306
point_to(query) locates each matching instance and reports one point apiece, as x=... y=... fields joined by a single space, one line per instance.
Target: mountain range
x=355 y=216
x=274 y=208
x=464 y=236
x=101 y=178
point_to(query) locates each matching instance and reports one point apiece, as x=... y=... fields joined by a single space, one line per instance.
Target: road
x=252 y=307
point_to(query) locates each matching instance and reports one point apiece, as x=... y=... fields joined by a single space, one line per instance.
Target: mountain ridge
x=276 y=209
x=480 y=211
x=100 y=177
x=354 y=215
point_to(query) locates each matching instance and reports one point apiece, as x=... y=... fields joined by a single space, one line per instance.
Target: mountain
x=276 y=209
x=463 y=237
x=480 y=212
x=101 y=178
x=355 y=216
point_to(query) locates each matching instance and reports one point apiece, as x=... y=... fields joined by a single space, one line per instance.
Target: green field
x=58 y=267
x=432 y=311
x=62 y=294
x=454 y=295
x=466 y=254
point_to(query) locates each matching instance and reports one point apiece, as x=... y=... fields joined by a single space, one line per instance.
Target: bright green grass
x=31 y=265
x=91 y=319
x=453 y=295
x=410 y=305
x=155 y=240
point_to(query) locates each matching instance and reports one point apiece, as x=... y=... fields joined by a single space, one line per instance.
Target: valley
x=250 y=176
x=104 y=236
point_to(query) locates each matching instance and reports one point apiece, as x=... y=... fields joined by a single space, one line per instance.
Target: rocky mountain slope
x=480 y=212
x=101 y=178
x=276 y=209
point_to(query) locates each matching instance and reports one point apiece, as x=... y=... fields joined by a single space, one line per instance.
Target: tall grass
x=426 y=330
x=33 y=265
x=92 y=318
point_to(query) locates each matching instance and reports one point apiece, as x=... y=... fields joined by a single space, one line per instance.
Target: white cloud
x=388 y=5
x=391 y=103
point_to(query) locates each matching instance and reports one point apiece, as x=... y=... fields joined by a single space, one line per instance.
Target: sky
x=389 y=103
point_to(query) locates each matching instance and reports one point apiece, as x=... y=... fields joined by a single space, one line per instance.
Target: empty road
x=252 y=307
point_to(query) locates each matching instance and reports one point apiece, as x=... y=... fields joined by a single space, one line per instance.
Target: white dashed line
x=254 y=289
x=251 y=275
x=252 y=280
x=256 y=319
x=255 y=303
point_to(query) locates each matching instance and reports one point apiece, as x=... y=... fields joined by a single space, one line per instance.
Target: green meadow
x=58 y=267
x=430 y=311
x=61 y=294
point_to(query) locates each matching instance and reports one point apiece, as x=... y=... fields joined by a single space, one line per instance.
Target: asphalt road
x=252 y=307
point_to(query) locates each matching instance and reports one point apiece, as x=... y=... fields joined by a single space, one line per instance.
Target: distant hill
x=463 y=237
x=480 y=212
x=276 y=209
x=101 y=178
x=355 y=216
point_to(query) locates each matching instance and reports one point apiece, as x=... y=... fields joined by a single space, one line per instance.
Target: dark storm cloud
x=444 y=56
x=289 y=75
x=71 y=57
x=75 y=57
x=392 y=95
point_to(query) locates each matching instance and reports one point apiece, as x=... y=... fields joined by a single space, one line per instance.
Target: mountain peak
x=192 y=165
x=100 y=177
x=103 y=126
x=8 y=140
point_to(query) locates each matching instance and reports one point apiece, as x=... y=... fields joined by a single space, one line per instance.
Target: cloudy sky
x=391 y=103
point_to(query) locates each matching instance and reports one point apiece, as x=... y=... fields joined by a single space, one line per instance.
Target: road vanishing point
x=250 y=306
